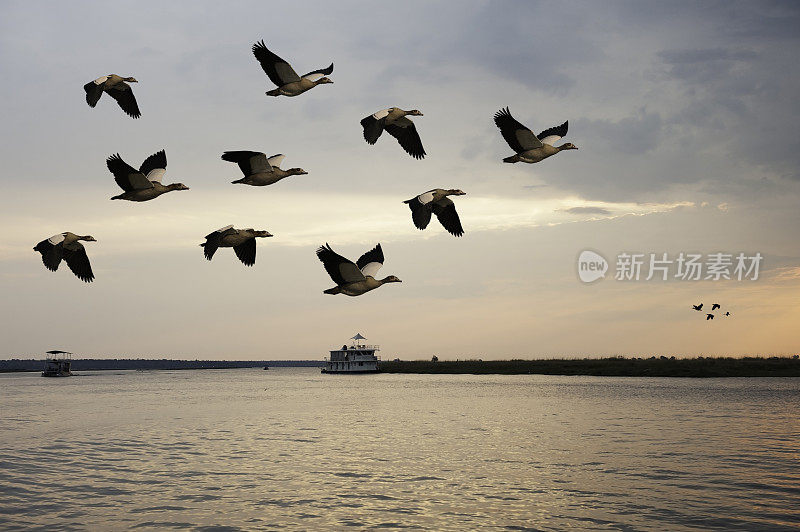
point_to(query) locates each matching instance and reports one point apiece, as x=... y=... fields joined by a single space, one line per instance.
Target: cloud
x=587 y=210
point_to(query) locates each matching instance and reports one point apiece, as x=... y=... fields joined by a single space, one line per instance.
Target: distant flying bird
x=709 y=317
x=727 y=313
x=714 y=307
x=354 y=279
x=67 y=246
x=436 y=201
x=698 y=307
x=259 y=170
x=115 y=87
x=283 y=75
x=395 y=122
x=530 y=148
x=243 y=242
x=145 y=183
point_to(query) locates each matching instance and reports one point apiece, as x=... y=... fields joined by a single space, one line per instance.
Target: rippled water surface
x=291 y=448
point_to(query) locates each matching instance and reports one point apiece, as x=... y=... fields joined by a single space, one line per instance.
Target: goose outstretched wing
x=250 y=162
x=278 y=70
x=155 y=166
x=445 y=211
x=246 y=251
x=554 y=134
x=126 y=176
x=314 y=75
x=77 y=260
x=518 y=137
x=406 y=134
x=123 y=93
x=370 y=262
x=341 y=270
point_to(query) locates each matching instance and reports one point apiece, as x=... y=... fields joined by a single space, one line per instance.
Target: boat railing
x=374 y=347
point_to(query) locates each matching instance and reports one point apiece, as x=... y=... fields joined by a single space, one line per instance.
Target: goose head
x=567 y=146
x=390 y=279
x=177 y=186
x=130 y=80
x=296 y=171
x=87 y=238
x=455 y=192
x=261 y=234
x=323 y=79
x=414 y=112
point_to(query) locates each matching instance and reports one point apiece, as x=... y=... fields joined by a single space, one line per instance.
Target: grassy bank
x=610 y=367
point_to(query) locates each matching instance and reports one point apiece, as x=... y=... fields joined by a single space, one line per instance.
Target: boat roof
x=57 y=352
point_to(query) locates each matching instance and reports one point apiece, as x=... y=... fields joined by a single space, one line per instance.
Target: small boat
x=266 y=368
x=358 y=357
x=57 y=364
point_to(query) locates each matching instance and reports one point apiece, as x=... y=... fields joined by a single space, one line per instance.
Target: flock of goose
x=710 y=316
x=351 y=278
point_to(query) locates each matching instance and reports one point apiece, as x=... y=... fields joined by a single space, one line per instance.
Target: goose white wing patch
x=223 y=229
x=426 y=197
x=313 y=76
x=550 y=139
x=56 y=239
x=156 y=174
x=380 y=114
x=371 y=269
x=276 y=160
x=100 y=80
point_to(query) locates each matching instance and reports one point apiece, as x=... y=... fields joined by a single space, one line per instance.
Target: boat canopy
x=57 y=352
x=358 y=337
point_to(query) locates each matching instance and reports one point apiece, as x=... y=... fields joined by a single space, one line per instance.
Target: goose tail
x=513 y=159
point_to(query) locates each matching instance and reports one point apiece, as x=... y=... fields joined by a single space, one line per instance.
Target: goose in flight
x=259 y=170
x=117 y=88
x=698 y=307
x=145 y=183
x=727 y=313
x=67 y=246
x=714 y=307
x=354 y=279
x=283 y=75
x=530 y=148
x=709 y=317
x=395 y=122
x=436 y=201
x=243 y=242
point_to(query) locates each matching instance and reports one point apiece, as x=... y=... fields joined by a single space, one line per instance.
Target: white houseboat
x=57 y=364
x=358 y=357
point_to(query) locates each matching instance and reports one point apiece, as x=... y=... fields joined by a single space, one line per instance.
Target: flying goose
x=283 y=75
x=116 y=87
x=727 y=313
x=243 y=242
x=259 y=170
x=530 y=148
x=714 y=307
x=143 y=184
x=395 y=122
x=436 y=201
x=66 y=246
x=698 y=307
x=709 y=317
x=354 y=279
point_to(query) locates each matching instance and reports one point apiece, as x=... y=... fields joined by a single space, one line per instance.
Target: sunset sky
x=685 y=114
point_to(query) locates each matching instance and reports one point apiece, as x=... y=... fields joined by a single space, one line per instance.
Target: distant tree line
x=612 y=366
x=93 y=364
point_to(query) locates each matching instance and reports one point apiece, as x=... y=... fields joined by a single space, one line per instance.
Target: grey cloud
x=586 y=210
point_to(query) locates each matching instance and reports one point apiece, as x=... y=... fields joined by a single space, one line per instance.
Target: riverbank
x=95 y=364
x=609 y=367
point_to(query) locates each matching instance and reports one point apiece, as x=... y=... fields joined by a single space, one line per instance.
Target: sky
x=685 y=115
